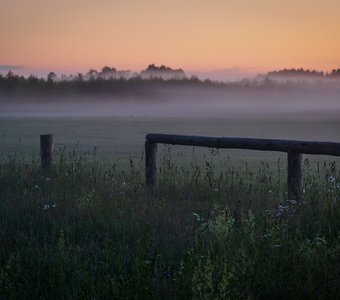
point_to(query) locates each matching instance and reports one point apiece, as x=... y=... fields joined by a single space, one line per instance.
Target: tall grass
x=86 y=230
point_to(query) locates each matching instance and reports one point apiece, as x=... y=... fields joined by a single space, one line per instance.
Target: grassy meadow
x=122 y=138
x=220 y=225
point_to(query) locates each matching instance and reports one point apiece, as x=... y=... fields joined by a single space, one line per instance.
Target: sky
x=207 y=37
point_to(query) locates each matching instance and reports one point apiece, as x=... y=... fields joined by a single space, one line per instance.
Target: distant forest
x=301 y=73
x=110 y=81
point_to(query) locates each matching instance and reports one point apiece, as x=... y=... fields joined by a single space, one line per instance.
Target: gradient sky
x=197 y=35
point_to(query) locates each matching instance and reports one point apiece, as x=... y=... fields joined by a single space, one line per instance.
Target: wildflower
x=48 y=179
x=197 y=217
x=320 y=241
x=270 y=191
x=293 y=202
x=48 y=206
x=36 y=186
x=190 y=251
x=283 y=208
x=268 y=211
x=331 y=179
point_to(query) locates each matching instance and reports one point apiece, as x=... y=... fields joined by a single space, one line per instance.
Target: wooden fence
x=46 y=150
x=295 y=149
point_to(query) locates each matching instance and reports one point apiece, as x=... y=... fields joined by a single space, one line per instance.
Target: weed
x=86 y=230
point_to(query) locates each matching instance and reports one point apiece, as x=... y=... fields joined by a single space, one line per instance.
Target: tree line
x=109 y=81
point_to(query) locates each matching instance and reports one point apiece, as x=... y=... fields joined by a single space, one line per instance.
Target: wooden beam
x=307 y=147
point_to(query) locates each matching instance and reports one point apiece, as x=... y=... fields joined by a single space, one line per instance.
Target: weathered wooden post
x=46 y=150
x=294 y=175
x=150 y=166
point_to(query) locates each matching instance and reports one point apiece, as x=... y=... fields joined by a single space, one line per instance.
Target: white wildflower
x=283 y=208
x=197 y=216
x=268 y=211
x=293 y=202
x=320 y=241
x=331 y=179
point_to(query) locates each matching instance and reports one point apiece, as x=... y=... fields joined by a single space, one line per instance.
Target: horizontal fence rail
x=326 y=148
x=294 y=149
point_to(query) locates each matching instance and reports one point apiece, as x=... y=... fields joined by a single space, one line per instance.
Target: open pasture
x=84 y=231
x=220 y=225
x=119 y=139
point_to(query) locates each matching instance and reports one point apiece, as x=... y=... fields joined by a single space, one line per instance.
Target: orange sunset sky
x=246 y=36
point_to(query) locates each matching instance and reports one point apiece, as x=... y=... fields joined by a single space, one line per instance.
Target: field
x=220 y=225
x=119 y=139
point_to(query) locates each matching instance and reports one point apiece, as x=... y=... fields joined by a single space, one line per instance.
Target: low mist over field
x=304 y=103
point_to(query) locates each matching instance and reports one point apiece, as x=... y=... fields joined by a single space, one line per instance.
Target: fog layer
x=302 y=103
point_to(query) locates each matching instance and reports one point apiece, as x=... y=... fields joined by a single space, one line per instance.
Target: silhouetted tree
x=51 y=77
x=163 y=72
x=79 y=77
x=91 y=74
x=335 y=73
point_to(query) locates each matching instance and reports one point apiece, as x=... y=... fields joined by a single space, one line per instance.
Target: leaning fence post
x=150 y=166
x=294 y=175
x=46 y=149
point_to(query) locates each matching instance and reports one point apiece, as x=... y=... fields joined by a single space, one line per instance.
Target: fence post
x=46 y=148
x=150 y=166
x=294 y=175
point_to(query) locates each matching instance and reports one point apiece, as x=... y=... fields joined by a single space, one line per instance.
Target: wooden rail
x=294 y=149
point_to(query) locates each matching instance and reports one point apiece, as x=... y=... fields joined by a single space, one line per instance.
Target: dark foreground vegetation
x=86 y=230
